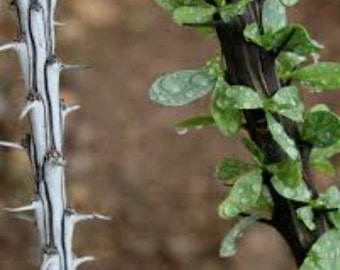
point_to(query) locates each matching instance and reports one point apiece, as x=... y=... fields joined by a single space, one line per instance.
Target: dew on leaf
x=181 y=87
x=182 y=131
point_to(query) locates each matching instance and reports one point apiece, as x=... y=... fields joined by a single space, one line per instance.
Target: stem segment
x=46 y=114
x=250 y=65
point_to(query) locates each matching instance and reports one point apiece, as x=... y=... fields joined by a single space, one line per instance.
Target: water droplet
x=181 y=131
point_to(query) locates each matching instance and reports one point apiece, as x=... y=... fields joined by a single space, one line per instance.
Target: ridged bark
x=46 y=113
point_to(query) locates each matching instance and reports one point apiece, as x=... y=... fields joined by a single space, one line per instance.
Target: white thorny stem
x=46 y=114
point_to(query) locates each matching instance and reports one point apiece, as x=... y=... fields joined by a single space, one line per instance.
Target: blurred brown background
x=124 y=157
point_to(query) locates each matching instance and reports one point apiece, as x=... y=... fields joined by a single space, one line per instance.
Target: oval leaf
x=228 y=247
x=299 y=42
x=306 y=215
x=228 y=120
x=286 y=63
x=300 y=193
x=280 y=136
x=288 y=103
x=229 y=169
x=273 y=16
x=289 y=172
x=194 y=14
x=230 y=11
x=243 y=196
x=325 y=253
x=325 y=152
x=321 y=128
x=320 y=76
x=293 y=38
x=181 y=87
x=330 y=199
x=169 y=5
x=239 y=97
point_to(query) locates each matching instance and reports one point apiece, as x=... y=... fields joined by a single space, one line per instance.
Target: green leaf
x=321 y=128
x=264 y=205
x=306 y=215
x=220 y=3
x=330 y=199
x=287 y=102
x=228 y=247
x=300 y=193
x=169 y=5
x=320 y=107
x=252 y=33
x=239 y=97
x=323 y=166
x=286 y=63
x=334 y=218
x=273 y=16
x=194 y=14
x=289 y=3
x=325 y=152
x=181 y=87
x=293 y=38
x=255 y=151
x=289 y=172
x=214 y=67
x=325 y=253
x=229 y=169
x=243 y=196
x=320 y=76
x=230 y=11
x=228 y=120
x=280 y=136
x=196 y=122
x=299 y=40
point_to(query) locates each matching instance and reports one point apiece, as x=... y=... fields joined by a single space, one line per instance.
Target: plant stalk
x=252 y=66
x=46 y=113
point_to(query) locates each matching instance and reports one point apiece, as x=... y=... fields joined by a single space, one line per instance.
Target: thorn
x=12 y=145
x=77 y=262
x=56 y=23
x=82 y=217
x=25 y=208
x=8 y=46
x=75 y=67
x=29 y=106
x=70 y=108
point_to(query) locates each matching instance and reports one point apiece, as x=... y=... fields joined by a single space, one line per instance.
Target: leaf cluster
x=296 y=64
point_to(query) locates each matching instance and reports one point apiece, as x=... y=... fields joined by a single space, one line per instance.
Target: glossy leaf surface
x=229 y=244
x=243 y=195
x=181 y=87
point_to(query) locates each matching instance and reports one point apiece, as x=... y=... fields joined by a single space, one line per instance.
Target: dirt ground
x=124 y=156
